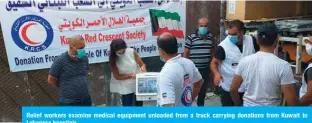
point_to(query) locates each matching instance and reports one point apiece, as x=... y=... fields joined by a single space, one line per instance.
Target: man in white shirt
x=265 y=75
x=226 y=57
x=179 y=81
x=306 y=88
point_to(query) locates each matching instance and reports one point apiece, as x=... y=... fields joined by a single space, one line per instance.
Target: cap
x=267 y=30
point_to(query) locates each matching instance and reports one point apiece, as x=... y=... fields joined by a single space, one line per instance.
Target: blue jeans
x=128 y=99
x=84 y=102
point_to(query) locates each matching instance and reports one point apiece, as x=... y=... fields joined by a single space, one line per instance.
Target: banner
x=37 y=31
x=166 y=114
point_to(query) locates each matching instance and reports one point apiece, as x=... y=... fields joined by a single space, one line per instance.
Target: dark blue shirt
x=71 y=78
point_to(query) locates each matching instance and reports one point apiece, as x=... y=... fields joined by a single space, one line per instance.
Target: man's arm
x=52 y=81
x=197 y=81
x=215 y=70
x=54 y=73
x=186 y=53
x=188 y=45
x=290 y=94
x=306 y=99
x=218 y=57
x=215 y=63
x=197 y=87
x=236 y=83
x=288 y=86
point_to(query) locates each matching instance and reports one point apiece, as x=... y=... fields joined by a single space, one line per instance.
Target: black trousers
x=128 y=99
x=226 y=98
x=205 y=73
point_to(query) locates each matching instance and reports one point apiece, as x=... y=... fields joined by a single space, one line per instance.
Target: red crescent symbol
x=24 y=36
x=186 y=96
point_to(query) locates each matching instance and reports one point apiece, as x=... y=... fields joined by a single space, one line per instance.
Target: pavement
x=211 y=100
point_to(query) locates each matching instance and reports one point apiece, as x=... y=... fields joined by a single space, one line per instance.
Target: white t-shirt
x=176 y=82
x=263 y=74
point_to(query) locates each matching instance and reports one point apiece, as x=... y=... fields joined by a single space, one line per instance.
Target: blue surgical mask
x=233 y=39
x=226 y=32
x=118 y=54
x=203 y=30
x=161 y=59
x=309 y=49
x=81 y=53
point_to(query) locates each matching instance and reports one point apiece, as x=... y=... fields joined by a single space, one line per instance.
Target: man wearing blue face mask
x=306 y=88
x=226 y=57
x=68 y=73
x=198 y=48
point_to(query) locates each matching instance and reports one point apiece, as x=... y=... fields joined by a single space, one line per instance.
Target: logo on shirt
x=186 y=98
x=32 y=33
x=186 y=80
x=164 y=95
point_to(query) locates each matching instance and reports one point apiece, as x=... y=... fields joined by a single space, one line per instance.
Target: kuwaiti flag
x=163 y=21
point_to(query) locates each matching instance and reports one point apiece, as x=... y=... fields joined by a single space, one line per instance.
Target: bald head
x=168 y=43
x=74 y=40
x=166 y=36
x=203 y=22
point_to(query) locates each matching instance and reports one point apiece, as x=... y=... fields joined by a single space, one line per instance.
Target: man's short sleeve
x=196 y=75
x=240 y=68
x=219 y=53
x=56 y=68
x=287 y=76
x=166 y=90
x=308 y=75
x=188 y=42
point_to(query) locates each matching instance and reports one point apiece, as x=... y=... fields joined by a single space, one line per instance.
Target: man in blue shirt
x=68 y=73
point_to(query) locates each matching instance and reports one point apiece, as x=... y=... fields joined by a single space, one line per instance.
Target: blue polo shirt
x=71 y=78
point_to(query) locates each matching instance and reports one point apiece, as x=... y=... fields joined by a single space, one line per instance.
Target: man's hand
x=217 y=78
x=236 y=83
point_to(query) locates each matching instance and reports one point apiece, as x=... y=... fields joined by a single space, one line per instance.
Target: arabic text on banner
x=38 y=31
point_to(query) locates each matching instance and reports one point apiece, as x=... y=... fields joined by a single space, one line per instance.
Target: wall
x=253 y=10
x=240 y=7
x=31 y=89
